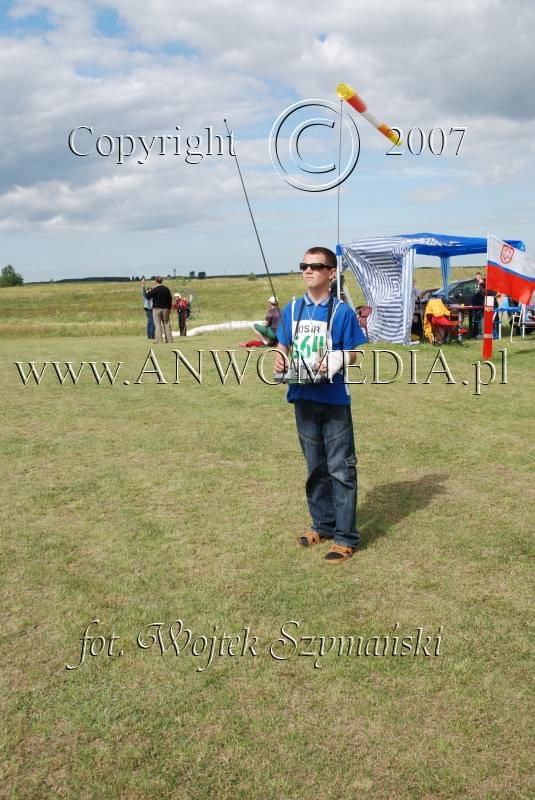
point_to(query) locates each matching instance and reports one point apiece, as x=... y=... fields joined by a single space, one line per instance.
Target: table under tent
x=384 y=270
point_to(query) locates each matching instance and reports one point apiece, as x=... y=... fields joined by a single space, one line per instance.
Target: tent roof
x=438 y=244
x=384 y=269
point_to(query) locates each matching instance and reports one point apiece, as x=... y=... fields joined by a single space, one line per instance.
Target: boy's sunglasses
x=316 y=267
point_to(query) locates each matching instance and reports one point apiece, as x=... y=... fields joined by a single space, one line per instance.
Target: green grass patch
x=147 y=503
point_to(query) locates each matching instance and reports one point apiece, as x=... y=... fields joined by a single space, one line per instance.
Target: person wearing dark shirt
x=162 y=301
x=480 y=281
x=476 y=314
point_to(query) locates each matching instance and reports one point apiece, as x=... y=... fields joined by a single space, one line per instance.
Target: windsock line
x=345 y=92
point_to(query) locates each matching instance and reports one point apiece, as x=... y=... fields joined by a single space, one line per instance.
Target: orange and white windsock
x=345 y=92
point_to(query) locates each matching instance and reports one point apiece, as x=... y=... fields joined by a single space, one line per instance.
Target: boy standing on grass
x=312 y=326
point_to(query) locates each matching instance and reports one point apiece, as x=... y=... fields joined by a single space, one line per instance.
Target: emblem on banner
x=507 y=254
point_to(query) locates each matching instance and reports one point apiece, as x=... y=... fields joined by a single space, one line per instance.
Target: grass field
x=88 y=309
x=150 y=502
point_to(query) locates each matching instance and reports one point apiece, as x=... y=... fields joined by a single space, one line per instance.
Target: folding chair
x=444 y=328
x=522 y=319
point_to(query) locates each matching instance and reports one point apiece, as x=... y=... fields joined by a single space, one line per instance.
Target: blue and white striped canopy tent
x=384 y=269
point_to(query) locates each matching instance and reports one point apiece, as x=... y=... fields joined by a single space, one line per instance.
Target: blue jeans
x=150 y=323
x=326 y=437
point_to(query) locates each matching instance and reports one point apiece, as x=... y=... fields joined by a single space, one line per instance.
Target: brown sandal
x=309 y=538
x=338 y=553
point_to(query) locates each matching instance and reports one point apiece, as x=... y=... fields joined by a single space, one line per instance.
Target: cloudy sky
x=173 y=70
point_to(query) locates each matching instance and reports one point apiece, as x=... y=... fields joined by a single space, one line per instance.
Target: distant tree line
x=11 y=278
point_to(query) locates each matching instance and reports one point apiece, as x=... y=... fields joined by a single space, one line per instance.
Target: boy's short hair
x=324 y=251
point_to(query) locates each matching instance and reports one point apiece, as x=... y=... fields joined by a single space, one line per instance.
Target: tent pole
x=445 y=264
x=338 y=245
x=338 y=269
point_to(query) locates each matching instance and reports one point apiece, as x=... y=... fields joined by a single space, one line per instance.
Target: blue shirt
x=147 y=302
x=345 y=334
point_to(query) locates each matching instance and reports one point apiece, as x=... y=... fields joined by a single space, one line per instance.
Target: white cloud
x=416 y=64
x=432 y=194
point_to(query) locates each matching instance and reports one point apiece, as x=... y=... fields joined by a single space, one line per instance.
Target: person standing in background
x=182 y=308
x=480 y=281
x=162 y=301
x=147 y=305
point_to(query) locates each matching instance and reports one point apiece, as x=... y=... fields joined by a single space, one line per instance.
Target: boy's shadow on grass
x=389 y=503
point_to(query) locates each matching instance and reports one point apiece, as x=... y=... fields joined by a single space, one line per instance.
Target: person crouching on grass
x=268 y=329
x=310 y=326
